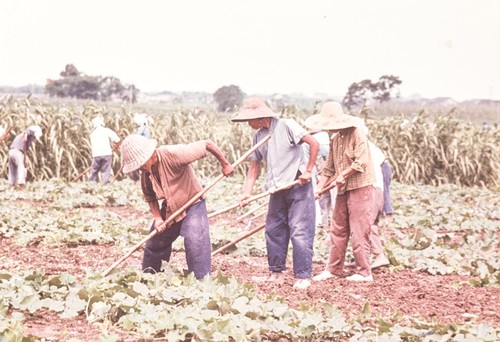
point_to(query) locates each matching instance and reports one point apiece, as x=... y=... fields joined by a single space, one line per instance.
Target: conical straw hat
x=331 y=117
x=254 y=108
x=136 y=151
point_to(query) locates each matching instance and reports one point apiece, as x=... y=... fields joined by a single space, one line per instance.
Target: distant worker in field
x=141 y=121
x=387 y=209
x=100 y=141
x=350 y=167
x=167 y=176
x=17 y=155
x=291 y=212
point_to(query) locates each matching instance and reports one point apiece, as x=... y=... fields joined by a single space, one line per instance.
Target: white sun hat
x=37 y=131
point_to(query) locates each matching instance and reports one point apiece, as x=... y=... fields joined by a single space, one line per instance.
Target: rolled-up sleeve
x=361 y=152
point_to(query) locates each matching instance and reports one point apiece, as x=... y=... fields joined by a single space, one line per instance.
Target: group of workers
x=168 y=182
x=351 y=165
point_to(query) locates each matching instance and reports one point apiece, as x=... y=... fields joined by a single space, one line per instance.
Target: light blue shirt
x=282 y=153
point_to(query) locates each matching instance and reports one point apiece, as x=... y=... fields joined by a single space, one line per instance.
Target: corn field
x=423 y=148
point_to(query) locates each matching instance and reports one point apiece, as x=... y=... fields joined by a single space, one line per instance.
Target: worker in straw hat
x=167 y=176
x=291 y=212
x=17 y=154
x=349 y=166
x=141 y=121
x=102 y=153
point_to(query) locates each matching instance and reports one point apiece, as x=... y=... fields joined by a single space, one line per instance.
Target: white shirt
x=100 y=141
x=378 y=158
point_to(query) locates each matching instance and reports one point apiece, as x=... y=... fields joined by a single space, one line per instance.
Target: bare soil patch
x=446 y=299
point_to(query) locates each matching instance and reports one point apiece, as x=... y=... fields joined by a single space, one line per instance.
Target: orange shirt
x=172 y=178
x=349 y=147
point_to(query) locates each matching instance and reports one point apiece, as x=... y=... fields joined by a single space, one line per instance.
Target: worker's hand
x=159 y=225
x=227 y=170
x=244 y=200
x=318 y=194
x=305 y=178
x=340 y=180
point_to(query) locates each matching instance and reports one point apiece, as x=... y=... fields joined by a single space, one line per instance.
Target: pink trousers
x=353 y=217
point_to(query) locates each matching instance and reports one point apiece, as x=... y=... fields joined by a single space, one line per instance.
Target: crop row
x=428 y=148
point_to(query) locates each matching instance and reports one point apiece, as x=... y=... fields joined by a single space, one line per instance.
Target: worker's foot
x=323 y=276
x=380 y=261
x=302 y=284
x=359 y=277
x=274 y=277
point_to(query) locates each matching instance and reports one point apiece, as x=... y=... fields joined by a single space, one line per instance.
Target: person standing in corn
x=291 y=212
x=167 y=176
x=349 y=166
x=17 y=155
x=102 y=153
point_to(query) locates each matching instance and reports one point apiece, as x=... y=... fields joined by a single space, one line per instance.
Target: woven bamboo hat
x=331 y=117
x=136 y=151
x=254 y=108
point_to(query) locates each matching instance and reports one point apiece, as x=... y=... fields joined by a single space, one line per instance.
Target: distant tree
x=76 y=84
x=385 y=87
x=228 y=97
x=359 y=93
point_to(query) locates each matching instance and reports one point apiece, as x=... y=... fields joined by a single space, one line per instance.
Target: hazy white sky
x=436 y=47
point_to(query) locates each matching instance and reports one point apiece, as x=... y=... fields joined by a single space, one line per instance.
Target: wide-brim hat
x=253 y=108
x=136 y=151
x=331 y=117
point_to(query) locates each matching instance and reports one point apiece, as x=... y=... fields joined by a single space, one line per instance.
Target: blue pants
x=195 y=230
x=291 y=216
x=100 y=164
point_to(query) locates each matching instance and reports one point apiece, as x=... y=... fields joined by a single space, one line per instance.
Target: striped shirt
x=349 y=147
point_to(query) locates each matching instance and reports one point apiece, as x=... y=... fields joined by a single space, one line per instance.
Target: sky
x=437 y=48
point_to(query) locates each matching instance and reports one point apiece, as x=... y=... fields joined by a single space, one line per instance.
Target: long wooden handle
x=234 y=242
x=328 y=187
x=6 y=133
x=81 y=174
x=117 y=174
x=253 y=198
x=183 y=208
x=250 y=212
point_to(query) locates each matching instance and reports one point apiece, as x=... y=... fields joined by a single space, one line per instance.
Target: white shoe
x=302 y=284
x=274 y=277
x=323 y=276
x=381 y=262
x=359 y=277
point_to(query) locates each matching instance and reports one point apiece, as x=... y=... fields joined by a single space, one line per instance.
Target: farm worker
x=167 y=176
x=387 y=209
x=350 y=166
x=141 y=121
x=17 y=154
x=100 y=141
x=323 y=205
x=291 y=212
x=378 y=157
